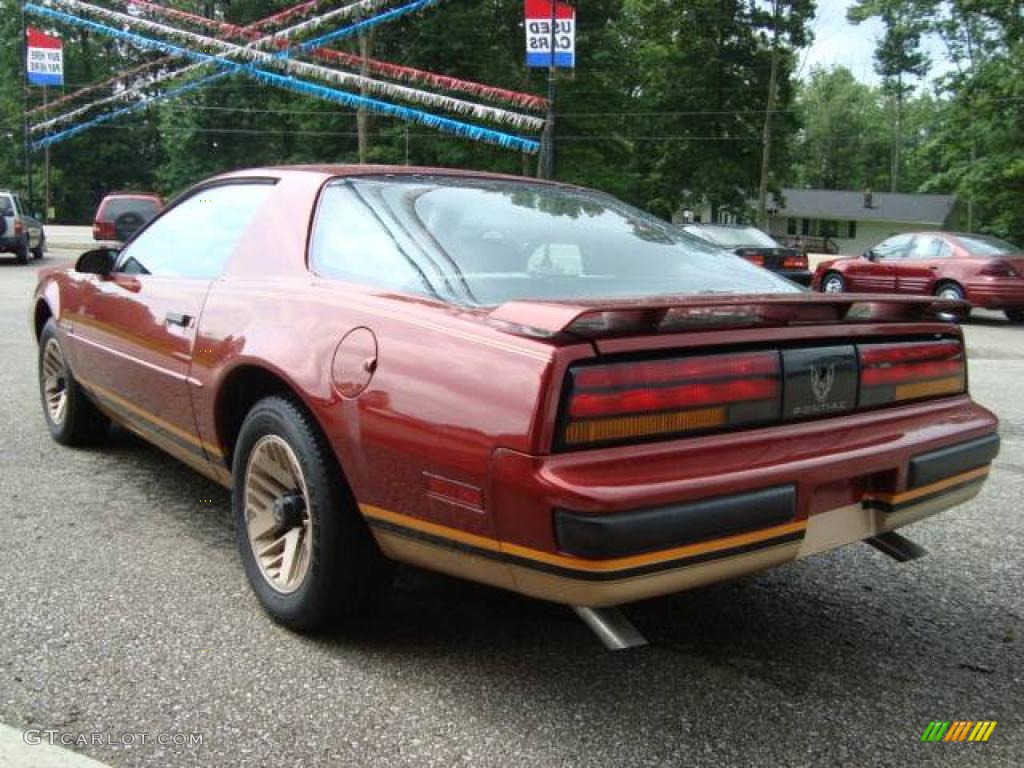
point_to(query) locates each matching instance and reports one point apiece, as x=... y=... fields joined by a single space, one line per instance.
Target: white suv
x=20 y=234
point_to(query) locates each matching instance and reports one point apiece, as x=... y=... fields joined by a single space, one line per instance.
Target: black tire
x=80 y=422
x=834 y=278
x=953 y=292
x=40 y=250
x=345 y=576
x=1015 y=315
x=21 y=254
x=950 y=291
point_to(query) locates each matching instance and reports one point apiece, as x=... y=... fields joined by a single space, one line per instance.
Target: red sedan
x=985 y=271
x=525 y=384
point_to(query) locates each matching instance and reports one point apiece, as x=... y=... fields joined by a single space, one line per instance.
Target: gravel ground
x=123 y=610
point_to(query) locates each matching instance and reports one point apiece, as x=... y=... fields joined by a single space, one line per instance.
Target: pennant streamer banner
x=283 y=61
x=289 y=82
x=541 y=33
x=44 y=59
x=382 y=68
x=288 y=14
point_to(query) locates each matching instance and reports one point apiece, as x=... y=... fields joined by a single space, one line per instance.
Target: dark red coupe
x=985 y=271
x=526 y=384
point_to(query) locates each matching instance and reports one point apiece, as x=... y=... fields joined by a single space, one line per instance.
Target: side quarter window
x=927 y=247
x=196 y=237
x=350 y=243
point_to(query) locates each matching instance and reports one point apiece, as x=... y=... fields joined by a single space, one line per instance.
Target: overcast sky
x=838 y=42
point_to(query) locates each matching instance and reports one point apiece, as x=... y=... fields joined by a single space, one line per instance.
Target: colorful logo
x=958 y=730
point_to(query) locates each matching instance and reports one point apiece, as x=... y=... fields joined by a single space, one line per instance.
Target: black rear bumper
x=648 y=530
x=931 y=467
x=636 y=532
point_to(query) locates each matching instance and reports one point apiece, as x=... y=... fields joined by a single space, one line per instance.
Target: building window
x=805 y=226
x=851 y=231
x=790 y=226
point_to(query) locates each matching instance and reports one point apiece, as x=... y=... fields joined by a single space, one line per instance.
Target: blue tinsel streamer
x=456 y=127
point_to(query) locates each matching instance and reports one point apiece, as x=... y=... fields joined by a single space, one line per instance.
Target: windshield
x=737 y=237
x=488 y=241
x=983 y=245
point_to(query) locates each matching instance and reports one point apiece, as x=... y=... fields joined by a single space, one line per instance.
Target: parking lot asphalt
x=124 y=611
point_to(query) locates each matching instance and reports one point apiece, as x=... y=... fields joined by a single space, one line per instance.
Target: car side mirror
x=99 y=261
x=870 y=255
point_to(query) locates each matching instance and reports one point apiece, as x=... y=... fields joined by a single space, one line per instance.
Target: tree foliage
x=667 y=99
x=974 y=147
x=665 y=107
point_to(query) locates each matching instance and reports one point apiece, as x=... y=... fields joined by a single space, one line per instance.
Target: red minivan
x=986 y=271
x=122 y=214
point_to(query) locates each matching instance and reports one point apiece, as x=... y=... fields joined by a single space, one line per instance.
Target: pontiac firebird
x=525 y=384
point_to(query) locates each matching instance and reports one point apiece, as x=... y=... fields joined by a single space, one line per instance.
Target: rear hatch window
x=485 y=242
x=113 y=208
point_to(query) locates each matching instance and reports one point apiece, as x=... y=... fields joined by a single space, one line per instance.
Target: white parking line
x=16 y=753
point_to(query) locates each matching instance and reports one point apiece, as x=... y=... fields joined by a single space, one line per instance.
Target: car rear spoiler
x=613 y=317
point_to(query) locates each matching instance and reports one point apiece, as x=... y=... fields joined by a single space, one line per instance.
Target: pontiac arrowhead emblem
x=823 y=376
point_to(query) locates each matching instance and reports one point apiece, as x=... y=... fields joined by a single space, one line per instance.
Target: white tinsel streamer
x=252 y=55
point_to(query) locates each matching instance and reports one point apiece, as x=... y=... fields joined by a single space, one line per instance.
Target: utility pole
x=546 y=161
x=897 y=139
x=366 y=38
x=46 y=171
x=24 y=86
x=766 y=134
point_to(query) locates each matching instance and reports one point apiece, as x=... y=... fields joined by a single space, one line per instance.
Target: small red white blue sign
x=45 y=59
x=541 y=33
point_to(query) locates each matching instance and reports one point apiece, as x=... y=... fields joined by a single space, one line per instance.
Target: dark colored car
x=122 y=214
x=983 y=270
x=757 y=248
x=520 y=383
x=20 y=233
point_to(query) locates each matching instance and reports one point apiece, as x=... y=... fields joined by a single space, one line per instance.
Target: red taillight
x=794 y=262
x=910 y=371
x=104 y=230
x=756 y=259
x=19 y=227
x=999 y=268
x=625 y=401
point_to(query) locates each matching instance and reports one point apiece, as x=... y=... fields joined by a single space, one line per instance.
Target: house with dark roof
x=847 y=222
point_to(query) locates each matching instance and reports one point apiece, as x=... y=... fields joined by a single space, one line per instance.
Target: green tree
x=899 y=61
x=843 y=140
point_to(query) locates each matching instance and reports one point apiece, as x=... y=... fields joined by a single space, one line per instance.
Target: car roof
x=140 y=195
x=331 y=171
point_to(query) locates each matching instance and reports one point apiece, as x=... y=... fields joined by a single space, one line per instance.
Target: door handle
x=176 y=318
x=934 y=269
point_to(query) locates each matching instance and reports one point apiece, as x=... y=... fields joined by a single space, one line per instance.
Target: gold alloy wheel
x=277 y=514
x=55 y=382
